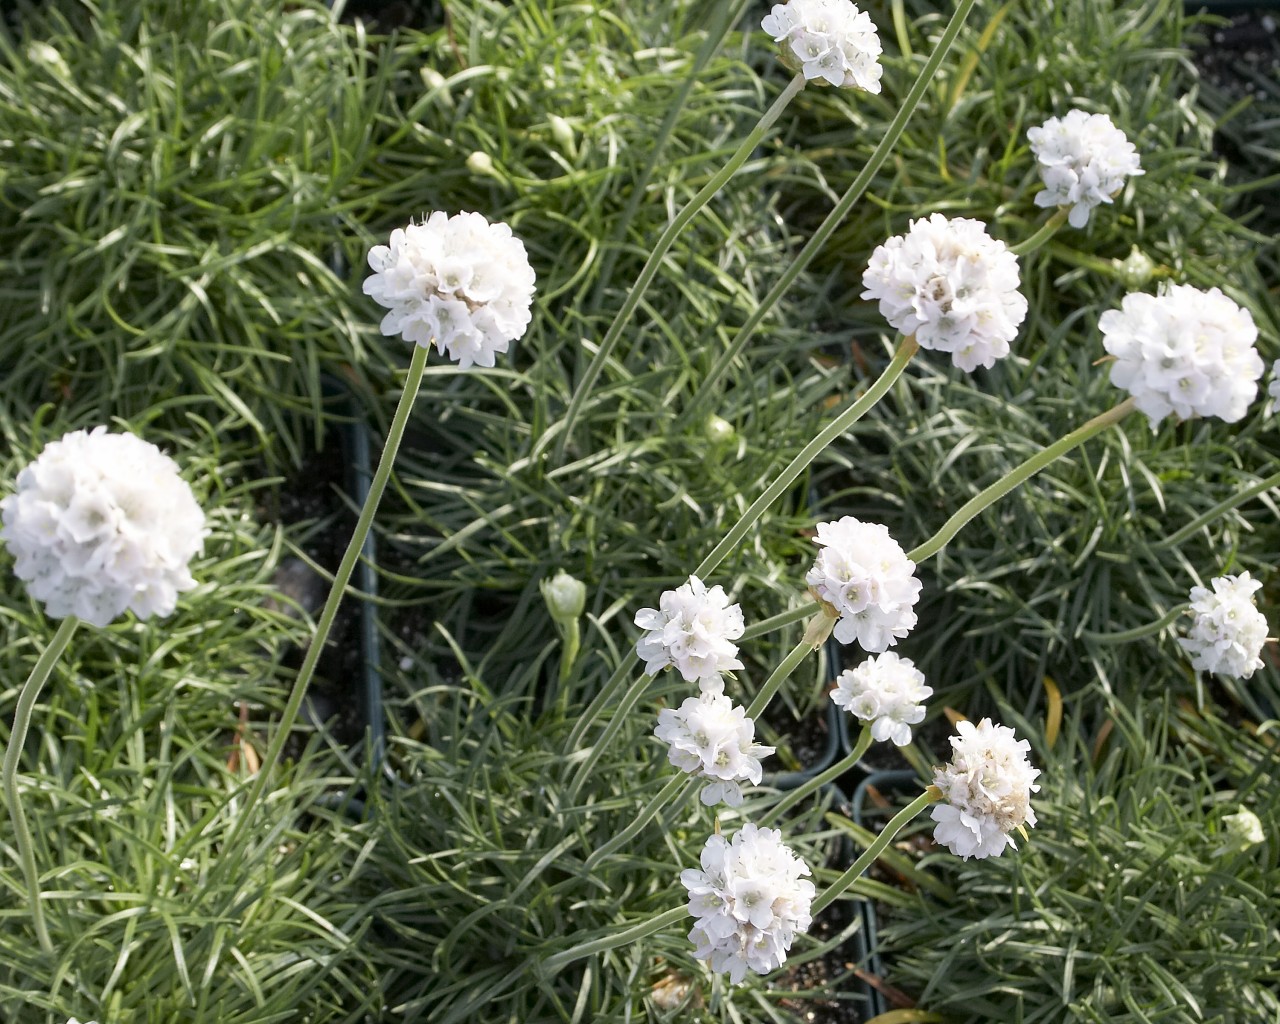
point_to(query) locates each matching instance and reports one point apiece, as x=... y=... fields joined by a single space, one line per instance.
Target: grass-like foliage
x=173 y=192
x=1129 y=903
x=133 y=777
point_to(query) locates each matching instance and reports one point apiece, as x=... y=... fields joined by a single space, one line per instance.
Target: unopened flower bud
x=481 y=164
x=562 y=132
x=1244 y=829
x=42 y=53
x=565 y=596
x=1135 y=270
x=719 y=430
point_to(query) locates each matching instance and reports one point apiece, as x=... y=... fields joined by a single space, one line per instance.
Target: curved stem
x=818 y=781
x=604 y=697
x=1018 y=475
x=664 y=243
x=774 y=683
x=1223 y=506
x=1047 y=230
x=906 y=349
x=620 y=938
x=620 y=714
x=646 y=815
x=1138 y=632
x=778 y=621
x=895 y=825
x=341 y=578
x=13 y=754
x=834 y=218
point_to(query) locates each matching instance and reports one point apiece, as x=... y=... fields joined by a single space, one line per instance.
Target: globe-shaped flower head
x=693 y=629
x=712 y=738
x=1084 y=160
x=458 y=282
x=1229 y=632
x=887 y=691
x=829 y=40
x=866 y=577
x=1185 y=351
x=750 y=899
x=951 y=285
x=988 y=787
x=101 y=523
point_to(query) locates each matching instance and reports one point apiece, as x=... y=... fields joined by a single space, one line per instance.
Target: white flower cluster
x=951 y=285
x=864 y=574
x=1273 y=385
x=1184 y=351
x=750 y=899
x=100 y=523
x=693 y=629
x=458 y=282
x=988 y=787
x=1229 y=631
x=713 y=738
x=887 y=691
x=827 y=39
x=1084 y=160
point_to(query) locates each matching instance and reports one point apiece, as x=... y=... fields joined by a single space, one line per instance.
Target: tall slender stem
x=1223 y=506
x=818 y=781
x=1138 y=632
x=674 y=785
x=619 y=938
x=1016 y=476
x=606 y=696
x=13 y=754
x=620 y=713
x=834 y=218
x=906 y=349
x=1047 y=230
x=896 y=823
x=778 y=621
x=417 y=364
x=774 y=683
x=660 y=248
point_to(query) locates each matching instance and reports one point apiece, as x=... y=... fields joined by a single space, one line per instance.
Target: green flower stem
x=570 y=644
x=778 y=621
x=1223 y=506
x=906 y=349
x=660 y=249
x=607 y=695
x=1018 y=475
x=1046 y=232
x=834 y=218
x=774 y=683
x=664 y=796
x=620 y=713
x=812 y=785
x=620 y=938
x=417 y=364
x=896 y=823
x=13 y=754
x=1138 y=632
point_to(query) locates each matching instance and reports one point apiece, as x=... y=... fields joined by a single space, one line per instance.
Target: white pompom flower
x=750 y=899
x=951 y=285
x=693 y=629
x=887 y=691
x=101 y=523
x=1084 y=160
x=988 y=787
x=1185 y=351
x=1229 y=632
x=866 y=577
x=828 y=40
x=1273 y=386
x=458 y=282
x=711 y=737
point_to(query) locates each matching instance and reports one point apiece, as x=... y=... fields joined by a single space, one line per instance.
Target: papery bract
x=458 y=282
x=951 y=285
x=101 y=523
x=987 y=785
